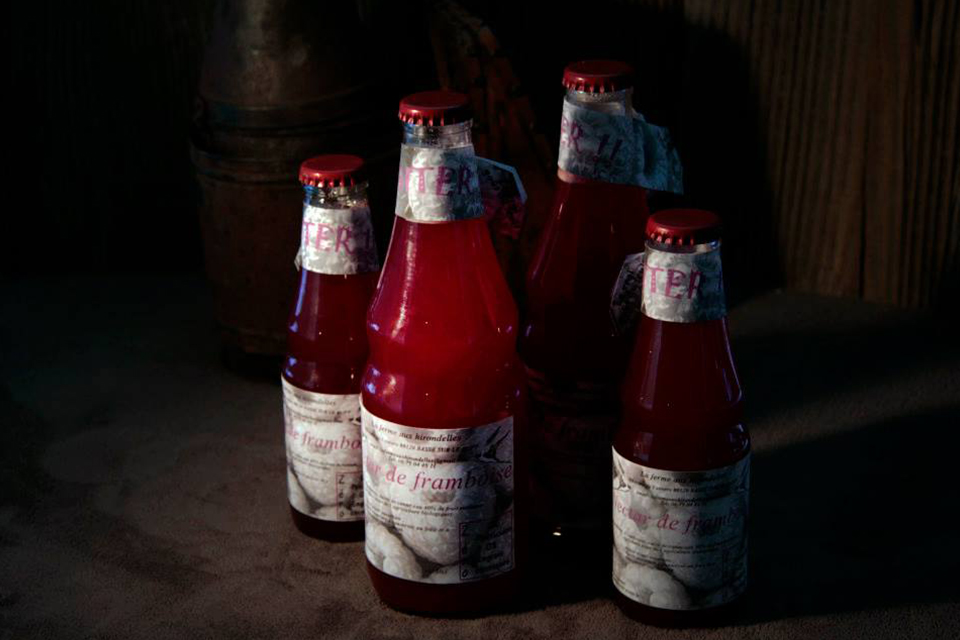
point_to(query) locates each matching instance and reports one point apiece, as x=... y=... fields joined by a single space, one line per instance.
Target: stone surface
x=143 y=489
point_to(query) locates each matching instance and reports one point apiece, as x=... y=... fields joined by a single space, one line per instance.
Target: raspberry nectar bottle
x=573 y=350
x=442 y=392
x=681 y=455
x=327 y=350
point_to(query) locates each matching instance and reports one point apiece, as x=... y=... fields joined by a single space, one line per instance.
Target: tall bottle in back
x=582 y=286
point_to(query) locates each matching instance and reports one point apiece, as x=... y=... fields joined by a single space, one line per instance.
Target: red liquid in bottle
x=568 y=331
x=443 y=364
x=327 y=351
x=682 y=413
x=574 y=351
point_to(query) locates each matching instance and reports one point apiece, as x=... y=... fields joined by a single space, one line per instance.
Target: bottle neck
x=683 y=284
x=335 y=197
x=664 y=247
x=595 y=144
x=451 y=136
x=337 y=235
x=438 y=178
x=682 y=381
x=618 y=103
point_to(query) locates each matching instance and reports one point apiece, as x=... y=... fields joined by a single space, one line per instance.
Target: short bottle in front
x=681 y=455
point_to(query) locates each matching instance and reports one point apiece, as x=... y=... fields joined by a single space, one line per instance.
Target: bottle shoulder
x=682 y=378
x=443 y=282
x=442 y=328
x=587 y=235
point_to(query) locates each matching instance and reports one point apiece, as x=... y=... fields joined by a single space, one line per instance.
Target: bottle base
x=720 y=616
x=326 y=530
x=573 y=562
x=466 y=600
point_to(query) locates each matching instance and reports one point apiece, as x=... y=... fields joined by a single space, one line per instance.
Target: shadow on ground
x=812 y=349
x=856 y=521
x=852 y=509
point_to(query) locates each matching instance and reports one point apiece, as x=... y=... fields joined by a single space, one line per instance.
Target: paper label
x=573 y=428
x=324 y=463
x=503 y=197
x=680 y=538
x=438 y=185
x=683 y=287
x=439 y=502
x=623 y=149
x=338 y=241
x=627 y=293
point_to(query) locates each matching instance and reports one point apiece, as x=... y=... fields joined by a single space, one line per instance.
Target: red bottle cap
x=683 y=227
x=332 y=171
x=598 y=76
x=435 y=108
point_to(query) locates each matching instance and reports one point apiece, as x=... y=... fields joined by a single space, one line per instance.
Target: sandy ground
x=143 y=486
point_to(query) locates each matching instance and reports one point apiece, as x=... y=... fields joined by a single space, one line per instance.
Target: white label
x=626 y=296
x=623 y=149
x=439 y=502
x=683 y=287
x=438 y=185
x=679 y=537
x=324 y=464
x=503 y=197
x=338 y=241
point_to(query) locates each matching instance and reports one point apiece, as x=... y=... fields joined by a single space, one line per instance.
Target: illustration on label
x=438 y=185
x=439 y=502
x=627 y=293
x=623 y=149
x=683 y=287
x=324 y=463
x=337 y=241
x=680 y=538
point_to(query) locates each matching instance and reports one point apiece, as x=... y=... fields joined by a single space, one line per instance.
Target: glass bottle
x=443 y=415
x=327 y=350
x=574 y=352
x=681 y=453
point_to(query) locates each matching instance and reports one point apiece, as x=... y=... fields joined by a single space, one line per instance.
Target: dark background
x=141 y=490
x=826 y=134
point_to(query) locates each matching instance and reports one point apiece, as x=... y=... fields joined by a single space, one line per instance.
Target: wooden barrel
x=281 y=80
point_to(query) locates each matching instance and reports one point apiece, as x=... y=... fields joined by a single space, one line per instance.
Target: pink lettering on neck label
x=683 y=287
x=438 y=185
x=338 y=241
x=622 y=149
